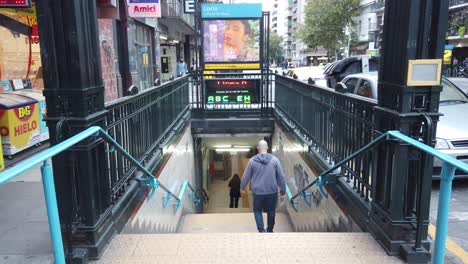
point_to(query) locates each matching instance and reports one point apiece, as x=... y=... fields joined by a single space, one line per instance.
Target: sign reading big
x=144 y=8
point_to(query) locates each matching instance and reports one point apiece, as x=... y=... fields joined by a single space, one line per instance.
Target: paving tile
x=122 y=246
x=379 y=260
x=257 y=248
x=335 y=259
x=29 y=259
x=30 y=238
x=291 y=258
x=202 y=259
x=241 y=259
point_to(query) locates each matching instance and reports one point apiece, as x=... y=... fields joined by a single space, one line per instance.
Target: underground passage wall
x=323 y=215
x=150 y=216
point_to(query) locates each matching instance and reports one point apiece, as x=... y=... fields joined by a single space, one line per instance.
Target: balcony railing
x=377 y=5
x=373 y=27
x=455 y=3
x=175 y=9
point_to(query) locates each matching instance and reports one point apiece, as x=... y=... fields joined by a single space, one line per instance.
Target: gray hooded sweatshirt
x=265 y=175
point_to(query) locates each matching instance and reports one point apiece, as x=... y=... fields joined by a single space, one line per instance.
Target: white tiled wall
x=152 y=217
x=324 y=214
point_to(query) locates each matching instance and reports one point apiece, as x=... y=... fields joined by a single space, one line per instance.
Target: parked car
x=363 y=84
x=452 y=129
x=461 y=83
x=338 y=70
x=311 y=74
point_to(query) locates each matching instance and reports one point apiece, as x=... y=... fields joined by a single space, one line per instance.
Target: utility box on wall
x=165 y=64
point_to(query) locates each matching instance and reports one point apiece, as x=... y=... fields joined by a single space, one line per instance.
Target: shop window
x=17 y=64
x=144 y=56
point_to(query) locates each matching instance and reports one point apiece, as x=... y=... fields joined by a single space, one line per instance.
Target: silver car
x=452 y=129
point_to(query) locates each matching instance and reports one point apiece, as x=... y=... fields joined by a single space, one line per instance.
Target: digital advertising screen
x=232 y=40
x=232 y=91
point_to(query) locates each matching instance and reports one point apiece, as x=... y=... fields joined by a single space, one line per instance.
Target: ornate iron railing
x=139 y=123
x=336 y=125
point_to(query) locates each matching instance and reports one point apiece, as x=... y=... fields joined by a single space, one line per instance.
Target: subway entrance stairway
x=246 y=248
x=316 y=233
x=230 y=236
x=138 y=195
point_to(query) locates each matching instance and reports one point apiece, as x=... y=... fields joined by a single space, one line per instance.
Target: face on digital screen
x=231 y=40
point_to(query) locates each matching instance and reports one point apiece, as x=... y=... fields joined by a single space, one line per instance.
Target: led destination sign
x=228 y=91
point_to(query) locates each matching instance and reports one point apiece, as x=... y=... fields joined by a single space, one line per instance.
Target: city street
x=116 y=116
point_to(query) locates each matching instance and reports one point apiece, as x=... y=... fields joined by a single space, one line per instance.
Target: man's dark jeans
x=267 y=203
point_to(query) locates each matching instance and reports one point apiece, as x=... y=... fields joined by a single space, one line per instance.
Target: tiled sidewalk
x=247 y=248
x=24 y=230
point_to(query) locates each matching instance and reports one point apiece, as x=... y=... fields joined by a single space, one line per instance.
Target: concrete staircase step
x=227 y=210
x=246 y=248
x=229 y=223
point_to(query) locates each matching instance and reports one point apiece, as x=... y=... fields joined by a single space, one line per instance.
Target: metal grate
x=460 y=143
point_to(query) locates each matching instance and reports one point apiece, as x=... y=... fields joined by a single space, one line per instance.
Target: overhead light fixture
x=175 y=41
x=232 y=150
x=242 y=147
x=222 y=146
x=162 y=37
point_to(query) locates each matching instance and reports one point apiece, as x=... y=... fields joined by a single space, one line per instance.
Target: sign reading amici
x=144 y=8
x=232 y=91
x=231 y=36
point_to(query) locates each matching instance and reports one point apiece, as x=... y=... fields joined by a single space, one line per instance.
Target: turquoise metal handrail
x=448 y=172
x=192 y=195
x=48 y=180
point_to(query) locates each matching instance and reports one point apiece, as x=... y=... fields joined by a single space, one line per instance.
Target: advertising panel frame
x=224 y=65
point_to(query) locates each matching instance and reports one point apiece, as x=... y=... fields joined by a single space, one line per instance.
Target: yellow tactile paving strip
x=247 y=248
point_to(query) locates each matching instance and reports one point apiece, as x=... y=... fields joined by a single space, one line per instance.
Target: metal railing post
x=52 y=212
x=448 y=172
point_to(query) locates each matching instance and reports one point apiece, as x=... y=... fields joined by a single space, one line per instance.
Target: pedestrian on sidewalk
x=181 y=68
x=234 y=192
x=266 y=176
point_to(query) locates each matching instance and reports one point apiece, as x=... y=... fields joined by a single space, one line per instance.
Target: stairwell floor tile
x=122 y=246
x=155 y=249
x=325 y=251
x=197 y=252
x=202 y=259
x=243 y=259
x=370 y=251
x=380 y=260
x=233 y=253
x=296 y=251
x=337 y=259
x=291 y=258
x=130 y=260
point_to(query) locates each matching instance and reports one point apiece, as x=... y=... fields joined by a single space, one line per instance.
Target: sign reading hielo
x=144 y=8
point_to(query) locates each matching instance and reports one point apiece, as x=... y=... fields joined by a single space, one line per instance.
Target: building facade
x=369 y=27
x=365 y=28
x=136 y=52
x=286 y=18
x=457 y=35
x=280 y=24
